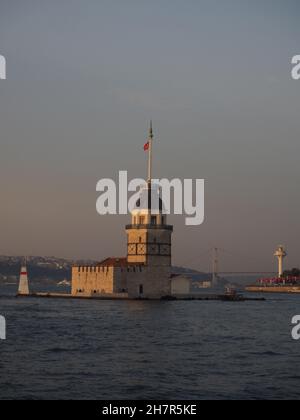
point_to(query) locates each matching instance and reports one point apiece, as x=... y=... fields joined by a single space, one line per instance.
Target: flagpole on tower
x=150 y=140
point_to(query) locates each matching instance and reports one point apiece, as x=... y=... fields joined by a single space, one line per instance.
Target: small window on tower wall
x=153 y=220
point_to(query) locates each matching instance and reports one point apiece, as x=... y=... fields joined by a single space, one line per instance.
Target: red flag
x=147 y=146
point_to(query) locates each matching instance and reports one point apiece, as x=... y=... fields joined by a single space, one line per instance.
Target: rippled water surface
x=71 y=349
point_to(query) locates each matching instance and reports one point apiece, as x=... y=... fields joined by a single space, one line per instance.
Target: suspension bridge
x=215 y=255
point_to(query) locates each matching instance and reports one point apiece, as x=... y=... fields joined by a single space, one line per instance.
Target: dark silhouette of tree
x=295 y=272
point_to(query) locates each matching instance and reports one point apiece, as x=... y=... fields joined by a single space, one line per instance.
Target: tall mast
x=150 y=139
x=215 y=266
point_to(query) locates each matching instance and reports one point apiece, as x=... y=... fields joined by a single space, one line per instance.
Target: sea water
x=83 y=349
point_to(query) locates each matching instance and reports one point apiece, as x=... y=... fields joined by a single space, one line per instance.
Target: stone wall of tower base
x=98 y=280
x=151 y=283
x=139 y=282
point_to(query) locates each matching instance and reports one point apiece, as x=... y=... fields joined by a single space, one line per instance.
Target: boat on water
x=231 y=294
x=64 y=283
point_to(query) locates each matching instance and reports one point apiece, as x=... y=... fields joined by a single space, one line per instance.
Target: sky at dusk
x=84 y=78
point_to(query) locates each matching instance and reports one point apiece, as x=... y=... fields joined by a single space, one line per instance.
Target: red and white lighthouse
x=23 y=284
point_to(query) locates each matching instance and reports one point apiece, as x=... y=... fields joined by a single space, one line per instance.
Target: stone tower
x=149 y=237
x=149 y=240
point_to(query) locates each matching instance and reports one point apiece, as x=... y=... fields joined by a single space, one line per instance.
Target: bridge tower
x=215 y=271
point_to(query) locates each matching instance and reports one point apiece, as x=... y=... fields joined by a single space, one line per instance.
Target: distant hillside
x=39 y=268
x=194 y=274
x=57 y=269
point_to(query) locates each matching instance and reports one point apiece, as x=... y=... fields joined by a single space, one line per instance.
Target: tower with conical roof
x=149 y=237
x=146 y=270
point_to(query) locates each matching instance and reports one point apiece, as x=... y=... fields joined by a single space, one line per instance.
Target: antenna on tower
x=151 y=130
x=215 y=273
x=150 y=142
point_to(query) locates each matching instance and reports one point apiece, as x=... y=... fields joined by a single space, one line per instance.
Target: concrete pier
x=273 y=289
x=196 y=296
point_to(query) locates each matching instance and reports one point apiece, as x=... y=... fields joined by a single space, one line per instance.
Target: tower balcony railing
x=149 y=226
